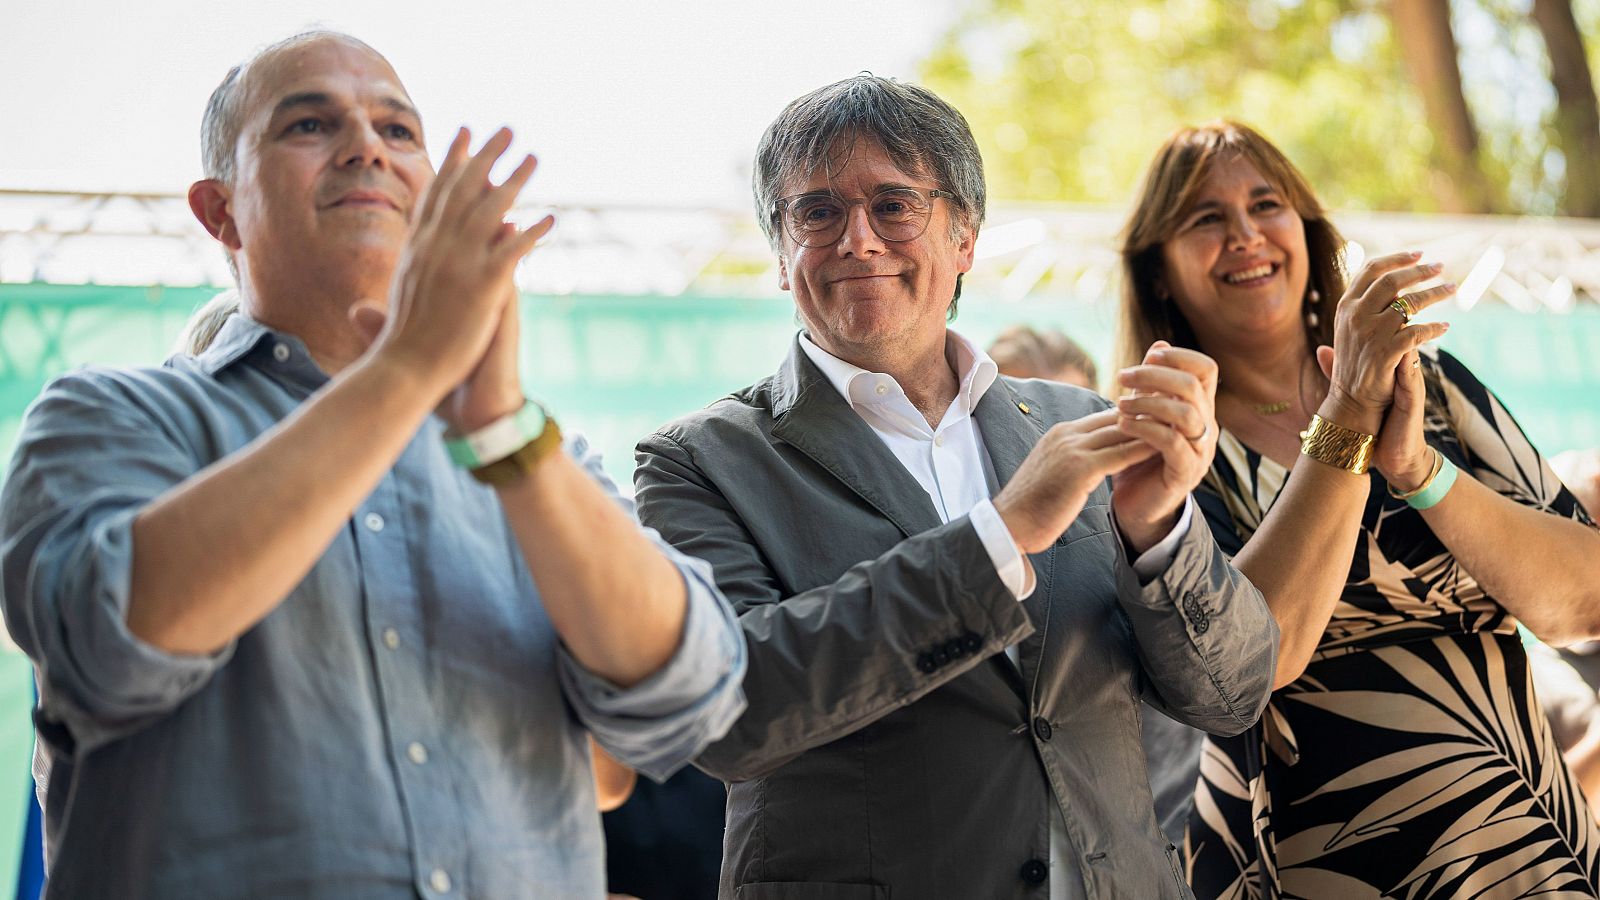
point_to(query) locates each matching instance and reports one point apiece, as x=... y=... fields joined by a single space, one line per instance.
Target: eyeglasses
x=896 y=215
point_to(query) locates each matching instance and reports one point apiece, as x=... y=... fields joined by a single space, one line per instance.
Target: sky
x=642 y=102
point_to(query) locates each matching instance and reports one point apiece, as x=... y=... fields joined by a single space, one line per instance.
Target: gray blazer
x=890 y=749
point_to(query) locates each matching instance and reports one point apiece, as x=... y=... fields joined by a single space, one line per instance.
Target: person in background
x=1568 y=678
x=290 y=643
x=665 y=843
x=1573 y=707
x=1579 y=470
x=1402 y=753
x=1022 y=351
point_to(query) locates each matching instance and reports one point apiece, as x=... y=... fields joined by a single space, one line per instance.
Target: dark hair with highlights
x=1170 y=190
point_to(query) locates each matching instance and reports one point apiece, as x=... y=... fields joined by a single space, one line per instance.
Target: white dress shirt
x=952 y=464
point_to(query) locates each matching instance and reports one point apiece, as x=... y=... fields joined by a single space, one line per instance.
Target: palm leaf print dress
x=1411 y=759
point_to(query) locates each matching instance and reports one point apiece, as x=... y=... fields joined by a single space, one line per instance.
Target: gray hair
x=221 y=124
x=920 y=132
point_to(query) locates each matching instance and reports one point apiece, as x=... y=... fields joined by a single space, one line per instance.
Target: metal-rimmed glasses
x=817 y=219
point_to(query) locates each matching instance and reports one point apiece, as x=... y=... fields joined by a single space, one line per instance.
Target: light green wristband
x=1437 y=488
x=500 y=438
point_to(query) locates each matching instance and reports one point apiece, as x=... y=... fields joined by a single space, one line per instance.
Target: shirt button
x=280 y=352
x=882 y=389
x=938 y=440
x=391 y=639
x=419 y=755
x=374 y=522
x=439 y=880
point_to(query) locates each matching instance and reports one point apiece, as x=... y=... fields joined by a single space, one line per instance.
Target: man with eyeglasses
x=956 y=587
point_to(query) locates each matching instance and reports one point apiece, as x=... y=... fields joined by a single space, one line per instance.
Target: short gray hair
x=221 y=124
x=920 y=132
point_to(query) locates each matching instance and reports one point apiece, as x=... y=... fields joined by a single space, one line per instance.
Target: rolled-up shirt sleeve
x=659 y=724
x=88 y=460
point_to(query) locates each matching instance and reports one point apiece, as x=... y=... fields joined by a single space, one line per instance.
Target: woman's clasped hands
x=1374 y=368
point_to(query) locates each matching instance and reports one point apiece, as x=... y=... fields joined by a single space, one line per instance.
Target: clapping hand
x=452 y=306
x=1171 y=408
x=1372 y=336
x=1373 y=370
x=1050 y=487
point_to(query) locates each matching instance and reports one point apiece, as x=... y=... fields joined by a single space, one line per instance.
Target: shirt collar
x=975 y=371
x=241 y=337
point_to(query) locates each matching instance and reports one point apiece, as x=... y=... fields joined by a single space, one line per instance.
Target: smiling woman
x=1403 y=706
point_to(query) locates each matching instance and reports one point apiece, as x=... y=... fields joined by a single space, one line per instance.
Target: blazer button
x=1198 y=617
x=955 y=648
x=971 y=642
x=1042 y=729
x=940 y=657
x=925 y=664
x=1035 y=872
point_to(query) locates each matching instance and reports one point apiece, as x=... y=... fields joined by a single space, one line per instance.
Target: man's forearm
x=215 y=554
x=616 y=600
x=1206 y=639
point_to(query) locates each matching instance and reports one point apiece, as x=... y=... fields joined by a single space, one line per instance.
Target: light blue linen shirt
x=405 y=724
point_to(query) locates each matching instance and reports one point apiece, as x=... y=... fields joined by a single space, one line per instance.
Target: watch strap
x=498 y=439
x=522 y=460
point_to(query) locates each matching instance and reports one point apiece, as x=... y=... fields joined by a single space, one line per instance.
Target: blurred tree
x=1427 y=45
x=1385 y=104
x=1577 y=119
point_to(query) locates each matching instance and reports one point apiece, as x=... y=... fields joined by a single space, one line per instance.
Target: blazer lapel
x=809 y=415
x=1009 y=435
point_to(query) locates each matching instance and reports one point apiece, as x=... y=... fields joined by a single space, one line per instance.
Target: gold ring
x=1403 y=306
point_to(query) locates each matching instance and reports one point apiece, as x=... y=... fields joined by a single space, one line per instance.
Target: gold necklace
x=1270 y=409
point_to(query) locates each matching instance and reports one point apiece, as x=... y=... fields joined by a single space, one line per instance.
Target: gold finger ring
x=1403 y=306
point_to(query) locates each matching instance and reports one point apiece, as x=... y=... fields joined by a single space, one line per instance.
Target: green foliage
x=1070 y=100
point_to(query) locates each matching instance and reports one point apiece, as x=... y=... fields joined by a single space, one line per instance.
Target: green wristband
x=1436 y=489
x=499 y=439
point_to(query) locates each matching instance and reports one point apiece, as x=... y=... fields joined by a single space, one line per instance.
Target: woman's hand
x=1401 y=455
x=1371 y=338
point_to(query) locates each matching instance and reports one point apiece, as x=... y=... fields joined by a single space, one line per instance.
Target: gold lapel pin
x=1022 y=406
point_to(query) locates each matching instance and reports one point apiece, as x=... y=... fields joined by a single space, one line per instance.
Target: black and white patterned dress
x=1411 y=759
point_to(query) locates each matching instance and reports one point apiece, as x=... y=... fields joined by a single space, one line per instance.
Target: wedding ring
x=1403 y=306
